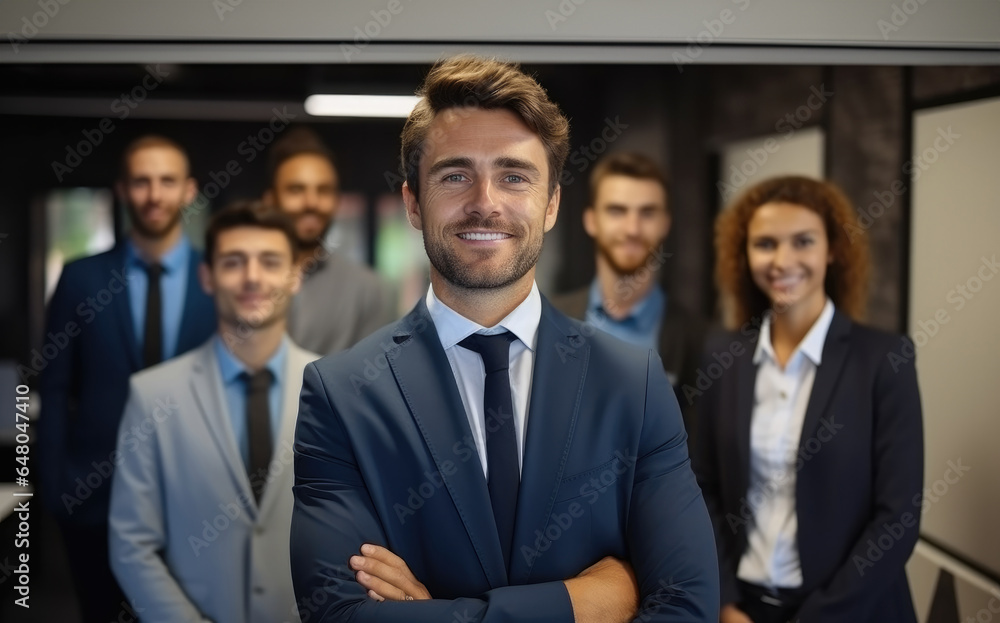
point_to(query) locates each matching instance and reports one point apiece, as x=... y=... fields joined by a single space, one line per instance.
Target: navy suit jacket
x=384 y=454
x=859 y=471
x=84 y=388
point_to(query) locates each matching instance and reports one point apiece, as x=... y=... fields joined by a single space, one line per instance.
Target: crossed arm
x=330 y=492
x=669 y=535
x=605 y=592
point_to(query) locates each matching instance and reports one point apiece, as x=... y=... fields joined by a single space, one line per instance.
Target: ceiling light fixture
x=322 y=105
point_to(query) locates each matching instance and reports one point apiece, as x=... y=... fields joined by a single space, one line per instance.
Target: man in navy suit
x=486 y=458
x=130 y=308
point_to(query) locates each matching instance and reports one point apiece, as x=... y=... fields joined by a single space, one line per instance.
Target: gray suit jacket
x=340 y=302
x=187 y=539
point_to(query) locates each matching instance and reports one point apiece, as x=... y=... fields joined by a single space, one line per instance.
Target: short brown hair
x=298 y=141
x=846 y=280
x=249 y=213
x=630 y=164
x=489 y=84
x=148 y=141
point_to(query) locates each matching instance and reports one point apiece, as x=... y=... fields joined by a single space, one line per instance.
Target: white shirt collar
x=453 y=327
x=811 y=345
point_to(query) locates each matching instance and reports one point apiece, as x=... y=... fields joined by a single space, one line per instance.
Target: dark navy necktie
x=152 y=335
x=258 y=414
x=503 y=473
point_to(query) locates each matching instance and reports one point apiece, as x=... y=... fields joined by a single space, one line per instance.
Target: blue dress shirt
x=640 y=328
x=173 y=288
x=230 y=368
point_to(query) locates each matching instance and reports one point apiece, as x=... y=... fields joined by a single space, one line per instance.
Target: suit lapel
x=206 y=384
x=561 y=357
x=294 y=367
x=835 y=351
x=122 y=306
x=422 y=371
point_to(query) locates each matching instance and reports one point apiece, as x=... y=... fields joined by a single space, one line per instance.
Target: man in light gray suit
x=201 y=502
x=340 y=301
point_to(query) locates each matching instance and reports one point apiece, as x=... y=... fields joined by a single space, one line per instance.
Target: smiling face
x=252 y=276
x=628 y=221
x=155 y=188
x=305 y=188
x=788 y=254
x=484 y=204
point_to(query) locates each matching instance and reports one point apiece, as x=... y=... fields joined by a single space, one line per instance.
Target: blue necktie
x=503 y=474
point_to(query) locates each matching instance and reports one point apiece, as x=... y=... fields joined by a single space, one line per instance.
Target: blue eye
x=513 y=178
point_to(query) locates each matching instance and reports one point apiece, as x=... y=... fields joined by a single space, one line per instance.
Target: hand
x=731 y=614
x=605 y=592
x=386 y=576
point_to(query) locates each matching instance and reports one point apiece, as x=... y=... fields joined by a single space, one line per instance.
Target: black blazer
x=682 y=337
x=859 y=473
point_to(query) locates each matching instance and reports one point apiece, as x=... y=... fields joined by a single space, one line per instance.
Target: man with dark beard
x=123 y=310
x=487 y=458
x=340 y=302
x=629 y=219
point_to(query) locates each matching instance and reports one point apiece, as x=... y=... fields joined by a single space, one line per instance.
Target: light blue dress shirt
x=640 y=328
x=235 y=387
x=173 y=290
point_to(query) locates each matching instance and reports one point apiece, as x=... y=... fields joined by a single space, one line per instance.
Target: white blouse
x=780 y=400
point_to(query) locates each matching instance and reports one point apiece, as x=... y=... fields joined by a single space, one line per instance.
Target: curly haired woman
x=809 y=446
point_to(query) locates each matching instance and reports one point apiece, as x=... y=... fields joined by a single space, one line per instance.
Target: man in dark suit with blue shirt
x=135 y=306
x=486 y=458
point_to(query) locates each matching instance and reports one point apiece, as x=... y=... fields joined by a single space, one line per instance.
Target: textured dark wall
x=865 y=147
x=934 y=82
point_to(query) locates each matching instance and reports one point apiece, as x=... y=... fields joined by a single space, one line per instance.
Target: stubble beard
x=150 y=232
x=446 y=261
x=314 y=242
x=622 y=269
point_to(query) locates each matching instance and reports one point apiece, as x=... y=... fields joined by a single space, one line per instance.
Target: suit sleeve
x=672 y=548
x=137 y=532
x=898 y=456
x=334 y=515
x=57 y=394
